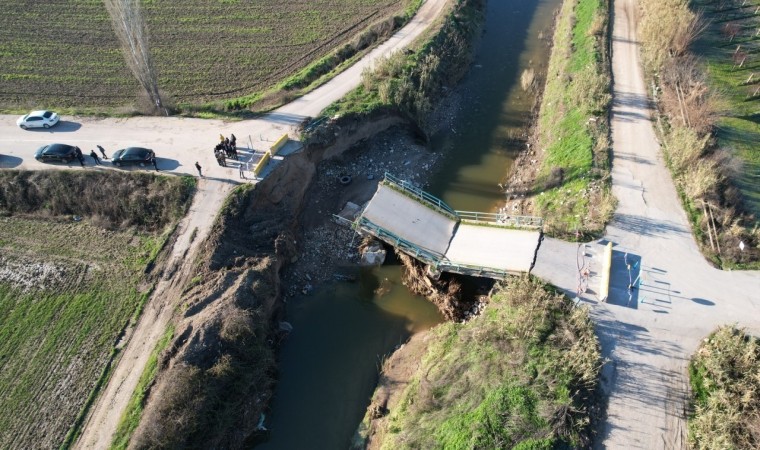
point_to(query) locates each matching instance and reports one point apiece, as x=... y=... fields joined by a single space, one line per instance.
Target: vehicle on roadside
x=38 y=119
x=56 y=152
x=132 y=156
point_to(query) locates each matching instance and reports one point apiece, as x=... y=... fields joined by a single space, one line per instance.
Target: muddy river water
x=329 y=363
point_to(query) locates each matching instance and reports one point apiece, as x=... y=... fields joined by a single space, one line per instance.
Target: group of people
x=93 y=155
x=226 y=148
x=80 y=156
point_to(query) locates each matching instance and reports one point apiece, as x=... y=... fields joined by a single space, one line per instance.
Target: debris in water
x=260 y=426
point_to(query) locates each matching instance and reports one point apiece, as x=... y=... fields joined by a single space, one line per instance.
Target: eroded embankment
x=218 y=374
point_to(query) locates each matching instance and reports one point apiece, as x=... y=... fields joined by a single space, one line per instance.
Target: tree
x=129 y=25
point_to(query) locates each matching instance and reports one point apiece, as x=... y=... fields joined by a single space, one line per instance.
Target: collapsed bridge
x=492 y=245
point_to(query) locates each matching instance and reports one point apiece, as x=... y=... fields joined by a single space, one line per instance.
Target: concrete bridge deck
x=422 y=226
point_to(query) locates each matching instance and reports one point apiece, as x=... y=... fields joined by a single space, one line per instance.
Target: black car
x=132 y=156
x=56 y=152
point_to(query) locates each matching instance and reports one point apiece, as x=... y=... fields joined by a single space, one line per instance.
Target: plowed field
x=65 y=53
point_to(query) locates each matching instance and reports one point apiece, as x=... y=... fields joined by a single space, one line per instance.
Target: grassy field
x=730 y=39
x=65 y=54
x=724 y=379
x=573 y=181
x=522 y=375
x=68 y=289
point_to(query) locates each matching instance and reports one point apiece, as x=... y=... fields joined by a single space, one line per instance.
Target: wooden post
x=709 y=232
x=717 y=241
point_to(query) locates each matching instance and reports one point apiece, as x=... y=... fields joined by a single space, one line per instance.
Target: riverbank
x=563 y=175
x=463 y=395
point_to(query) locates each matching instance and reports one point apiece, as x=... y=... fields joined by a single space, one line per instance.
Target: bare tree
x=129 y=25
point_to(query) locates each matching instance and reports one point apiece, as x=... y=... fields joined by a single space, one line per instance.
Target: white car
x=38 y=119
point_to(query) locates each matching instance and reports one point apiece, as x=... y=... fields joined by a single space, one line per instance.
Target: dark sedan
x=56 y=152
x=133 y=156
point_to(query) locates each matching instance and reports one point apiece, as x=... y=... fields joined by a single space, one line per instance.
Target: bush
x=521 y=375
x=725 y=382
x=112 y=199
x=411 y=82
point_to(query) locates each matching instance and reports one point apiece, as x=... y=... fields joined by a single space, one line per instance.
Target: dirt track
x=648 y=334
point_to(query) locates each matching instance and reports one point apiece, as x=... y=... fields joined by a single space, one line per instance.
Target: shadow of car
x=63 y=126
x=133 y=156
x=56 y=152
x=9 y=162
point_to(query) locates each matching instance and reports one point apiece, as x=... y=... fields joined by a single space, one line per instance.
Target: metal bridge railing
x=434 y=259
x=424 y=255
x=501 y=219
x=419 y=194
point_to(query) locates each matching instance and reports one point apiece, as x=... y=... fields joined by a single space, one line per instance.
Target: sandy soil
x=397 y=372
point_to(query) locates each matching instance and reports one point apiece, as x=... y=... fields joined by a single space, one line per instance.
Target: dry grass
x=704 y=174
x=725 y=377
x=111 y=200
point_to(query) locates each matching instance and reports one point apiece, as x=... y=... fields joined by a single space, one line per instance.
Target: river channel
x=341 y=332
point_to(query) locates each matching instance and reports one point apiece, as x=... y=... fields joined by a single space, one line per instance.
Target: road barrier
x=277 y=146
x=261 y=164
x=604 y=288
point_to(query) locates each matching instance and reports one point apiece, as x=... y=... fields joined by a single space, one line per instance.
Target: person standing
x=94 y=156
x=198 y=166
x=154 y=162
x=102 y=152
x=80 y=157
x=242 y=173
x=233 y=140
x=221 y=138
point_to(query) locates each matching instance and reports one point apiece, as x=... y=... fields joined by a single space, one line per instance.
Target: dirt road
x=648 y=334
x=179 y=143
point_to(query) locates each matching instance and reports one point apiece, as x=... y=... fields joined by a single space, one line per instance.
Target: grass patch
x=575 y=197
x=132 y=414
x=111 y=200
x=521 y=375
x=725 y=394
x=57 y=333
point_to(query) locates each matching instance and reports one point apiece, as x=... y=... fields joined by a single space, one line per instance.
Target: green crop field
x=72 y=278
x=64 y=53
x=67 y=290
x=731 y=49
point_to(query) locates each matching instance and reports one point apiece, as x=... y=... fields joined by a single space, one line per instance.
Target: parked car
x=132 y=156
x=38 y=119
x=56 y=152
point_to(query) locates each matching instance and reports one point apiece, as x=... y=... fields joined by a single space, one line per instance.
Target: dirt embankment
x=218 y=375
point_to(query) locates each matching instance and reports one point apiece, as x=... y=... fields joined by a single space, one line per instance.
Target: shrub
x=112 y=199
x=725 y=379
